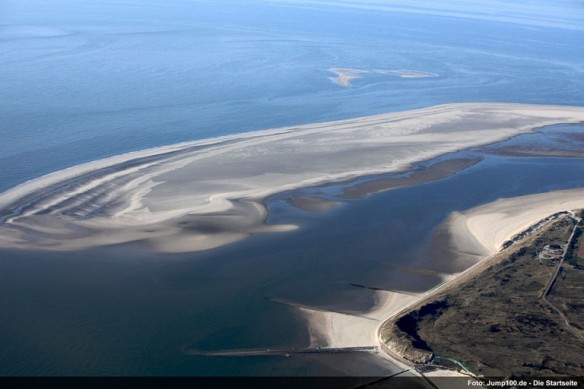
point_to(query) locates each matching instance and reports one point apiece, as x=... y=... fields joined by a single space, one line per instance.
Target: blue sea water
x=82 y=80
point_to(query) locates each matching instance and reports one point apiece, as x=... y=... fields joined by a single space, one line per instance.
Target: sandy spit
x=481 y=230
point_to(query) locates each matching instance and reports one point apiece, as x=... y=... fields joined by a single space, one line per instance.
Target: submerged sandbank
x=204 y=194
x=311 y=203
x=433 y=172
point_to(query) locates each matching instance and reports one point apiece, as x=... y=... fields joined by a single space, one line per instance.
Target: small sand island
x=345 y=75
x=203 y=194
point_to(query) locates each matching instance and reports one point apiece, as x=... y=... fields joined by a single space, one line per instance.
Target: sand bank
x=407 y=73
x=200 y=195
x=434 y=172
x=312 y=204
x=526 y=152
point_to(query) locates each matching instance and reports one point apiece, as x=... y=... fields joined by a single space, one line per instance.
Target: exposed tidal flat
x=201 y=195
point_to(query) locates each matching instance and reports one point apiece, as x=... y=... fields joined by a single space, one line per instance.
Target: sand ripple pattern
x=200 y=195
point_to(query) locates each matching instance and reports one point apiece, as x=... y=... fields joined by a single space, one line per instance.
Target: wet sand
x=201 y=195
x=311 y=203
x=524 y=152
x=434 y=172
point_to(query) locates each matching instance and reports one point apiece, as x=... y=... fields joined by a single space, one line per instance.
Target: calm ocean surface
x=82 y=80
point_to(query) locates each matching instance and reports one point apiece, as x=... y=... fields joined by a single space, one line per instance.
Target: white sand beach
x=200 y=195
x=487 y=227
